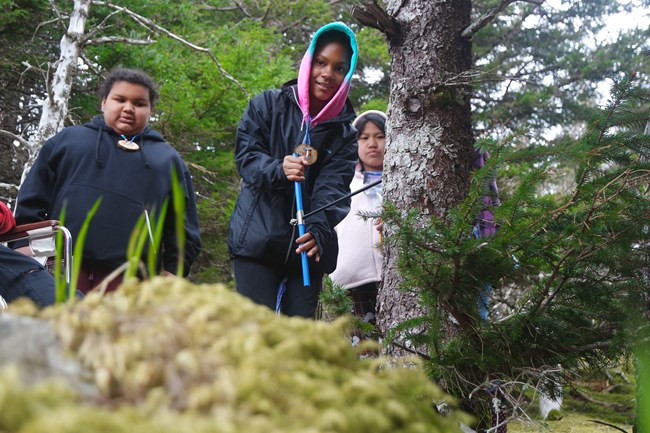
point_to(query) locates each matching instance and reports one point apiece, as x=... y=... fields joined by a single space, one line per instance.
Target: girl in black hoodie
x=119 y=159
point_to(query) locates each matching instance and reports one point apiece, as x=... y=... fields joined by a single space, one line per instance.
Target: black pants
x=22 y=276
x=364 y=301
x=260 y=281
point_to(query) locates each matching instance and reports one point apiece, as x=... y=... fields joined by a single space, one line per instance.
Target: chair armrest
x=22 y=231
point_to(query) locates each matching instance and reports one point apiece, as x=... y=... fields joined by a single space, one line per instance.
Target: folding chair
x=44 y=230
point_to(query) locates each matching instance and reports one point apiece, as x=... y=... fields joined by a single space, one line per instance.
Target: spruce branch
x=150 y=25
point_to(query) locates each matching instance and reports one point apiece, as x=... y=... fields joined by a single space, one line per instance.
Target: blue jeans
x=22 y=276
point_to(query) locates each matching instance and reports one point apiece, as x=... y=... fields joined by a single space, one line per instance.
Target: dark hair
x=334 y=36
x=375 y=118
x=133 y=76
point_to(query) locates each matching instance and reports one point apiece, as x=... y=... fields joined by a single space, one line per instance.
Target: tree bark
x=55 y=106
x=429 y=132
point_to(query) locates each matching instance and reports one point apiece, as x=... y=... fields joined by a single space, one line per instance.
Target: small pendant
x=310 y=154
x=128 y=145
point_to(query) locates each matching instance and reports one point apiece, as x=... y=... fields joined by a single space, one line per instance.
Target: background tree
x=18 y=22
x=60 y=77
x=429 y=127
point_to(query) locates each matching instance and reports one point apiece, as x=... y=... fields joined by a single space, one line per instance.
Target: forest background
x=537 y=66
x=544 y=67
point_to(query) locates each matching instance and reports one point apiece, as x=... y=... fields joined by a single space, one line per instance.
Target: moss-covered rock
x=167 y=355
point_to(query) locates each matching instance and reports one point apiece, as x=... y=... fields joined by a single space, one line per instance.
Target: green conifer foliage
x=566 y=268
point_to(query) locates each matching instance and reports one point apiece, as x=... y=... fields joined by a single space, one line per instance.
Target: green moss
x=555 y=415
x=577 y=415
x=569 y=423
x=171 y=356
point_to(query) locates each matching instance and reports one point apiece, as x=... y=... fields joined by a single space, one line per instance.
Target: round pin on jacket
x=128 y=145
x=310 y=154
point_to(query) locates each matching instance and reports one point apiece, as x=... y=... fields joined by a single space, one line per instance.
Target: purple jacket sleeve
x=485 y=225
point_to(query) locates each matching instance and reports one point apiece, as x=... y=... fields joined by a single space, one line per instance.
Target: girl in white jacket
x=359 y=262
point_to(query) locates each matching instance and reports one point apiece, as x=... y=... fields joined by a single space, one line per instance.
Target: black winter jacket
x=82 y=164
x=270 y=128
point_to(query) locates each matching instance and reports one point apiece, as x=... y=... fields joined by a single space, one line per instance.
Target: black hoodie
x=82 y=164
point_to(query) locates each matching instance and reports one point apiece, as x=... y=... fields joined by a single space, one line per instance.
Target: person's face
x=328 y=69
x=127 y=108
x=372 y=143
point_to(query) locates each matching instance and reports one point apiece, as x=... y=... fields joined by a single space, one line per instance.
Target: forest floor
x=595 y=400
x=570 y=423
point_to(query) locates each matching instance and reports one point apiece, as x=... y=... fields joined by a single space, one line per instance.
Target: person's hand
x=25 y=250
x=294 y=167
x=307 y=243
x=166 y=273
x=379 y=224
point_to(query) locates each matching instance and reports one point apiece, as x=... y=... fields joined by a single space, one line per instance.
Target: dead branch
x=13 y=136
x=370 y=14
x=220 y=9
x=115 y=40
x=242 y=8
x=487 y=18
x=293 y=24
x=101 y=26
x=48 y=82
x=593 y=346
x=239 y=6
x=607 y=424
x=43 y=24
x=62 y=18
x=28 y=67
x=8 y=186
x=90 y=65
x=420 y=354
x=582 y=396
x=150 y=25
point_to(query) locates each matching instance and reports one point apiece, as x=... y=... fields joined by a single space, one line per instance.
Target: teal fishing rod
x=301 y=221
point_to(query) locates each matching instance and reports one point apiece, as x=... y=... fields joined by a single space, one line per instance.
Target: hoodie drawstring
x=98 y=161
x=143 y=153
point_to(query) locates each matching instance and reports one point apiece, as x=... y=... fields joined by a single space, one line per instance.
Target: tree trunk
x=428 y=155
x=55 y=106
